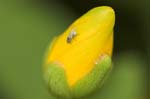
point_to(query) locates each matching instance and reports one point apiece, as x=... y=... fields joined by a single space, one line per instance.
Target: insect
x=71 y=36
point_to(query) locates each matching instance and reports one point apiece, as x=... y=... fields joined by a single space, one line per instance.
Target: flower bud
x=79 y=59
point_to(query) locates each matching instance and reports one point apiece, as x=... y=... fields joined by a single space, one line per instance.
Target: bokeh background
x=28 y=26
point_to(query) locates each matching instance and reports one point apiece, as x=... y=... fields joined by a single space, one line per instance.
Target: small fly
x=71 y=36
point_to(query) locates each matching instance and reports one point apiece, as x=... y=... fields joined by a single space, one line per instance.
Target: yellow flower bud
x=78 y=50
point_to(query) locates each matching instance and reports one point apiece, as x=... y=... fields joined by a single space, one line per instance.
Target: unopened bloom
x=78 y=60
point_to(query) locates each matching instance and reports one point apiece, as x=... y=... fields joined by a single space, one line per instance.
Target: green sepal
x=94 y=79
x=57 y=82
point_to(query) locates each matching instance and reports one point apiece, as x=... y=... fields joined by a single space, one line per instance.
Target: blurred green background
x=28 y=26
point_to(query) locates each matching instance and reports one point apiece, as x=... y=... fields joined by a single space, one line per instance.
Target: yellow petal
x=93 y=38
